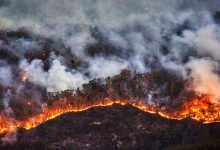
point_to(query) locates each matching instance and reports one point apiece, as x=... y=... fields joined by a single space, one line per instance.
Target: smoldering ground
x=64 y=45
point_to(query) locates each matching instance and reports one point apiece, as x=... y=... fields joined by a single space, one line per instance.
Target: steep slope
x=117 y=127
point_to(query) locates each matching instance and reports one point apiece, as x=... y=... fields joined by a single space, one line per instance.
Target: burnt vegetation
x=165 y=87
x=118 y=127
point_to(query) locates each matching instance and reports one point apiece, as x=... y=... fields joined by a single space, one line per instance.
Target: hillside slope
x=118 y=127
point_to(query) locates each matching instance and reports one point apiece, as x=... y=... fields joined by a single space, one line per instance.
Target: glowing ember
x=199 y=109
x=24 y=78
x=29 y=103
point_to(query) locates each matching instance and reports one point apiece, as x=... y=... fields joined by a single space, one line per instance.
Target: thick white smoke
x=204 y=70
x=56 y=79
x=142 y=36
x=205 y=40
x=205 y=78
x=137 y=30
x=102 y=68
x=5 y=76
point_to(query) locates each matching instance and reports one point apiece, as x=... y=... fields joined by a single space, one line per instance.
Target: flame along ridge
x=197 y=109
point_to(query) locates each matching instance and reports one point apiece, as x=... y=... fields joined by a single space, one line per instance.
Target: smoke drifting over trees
x=52 y=46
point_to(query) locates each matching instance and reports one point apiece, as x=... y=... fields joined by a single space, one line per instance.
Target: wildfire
x=199 y=109
x=24 y=78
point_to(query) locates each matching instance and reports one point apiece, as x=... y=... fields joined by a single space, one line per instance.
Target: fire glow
x=24 y=78
x=199 y=109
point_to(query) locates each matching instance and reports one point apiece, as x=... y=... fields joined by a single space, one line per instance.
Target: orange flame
x=199 y=109
x=24 y=78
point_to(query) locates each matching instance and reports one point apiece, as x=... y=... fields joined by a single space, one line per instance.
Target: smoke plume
x=52 y=46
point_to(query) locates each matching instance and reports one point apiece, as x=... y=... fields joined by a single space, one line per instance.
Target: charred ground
x=118 y=127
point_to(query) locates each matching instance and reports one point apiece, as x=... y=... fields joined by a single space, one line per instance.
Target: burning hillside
x=162 y=57
x=95 y=94
x=117 y=127
x=197 y=109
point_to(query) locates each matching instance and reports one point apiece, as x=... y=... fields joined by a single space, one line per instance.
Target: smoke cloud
x=205 y=78
x=5 y=76
x=53 y=45
x=103 y=38
x=56 y=79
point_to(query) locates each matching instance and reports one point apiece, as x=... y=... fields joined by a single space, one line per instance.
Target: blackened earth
x=117 y=127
